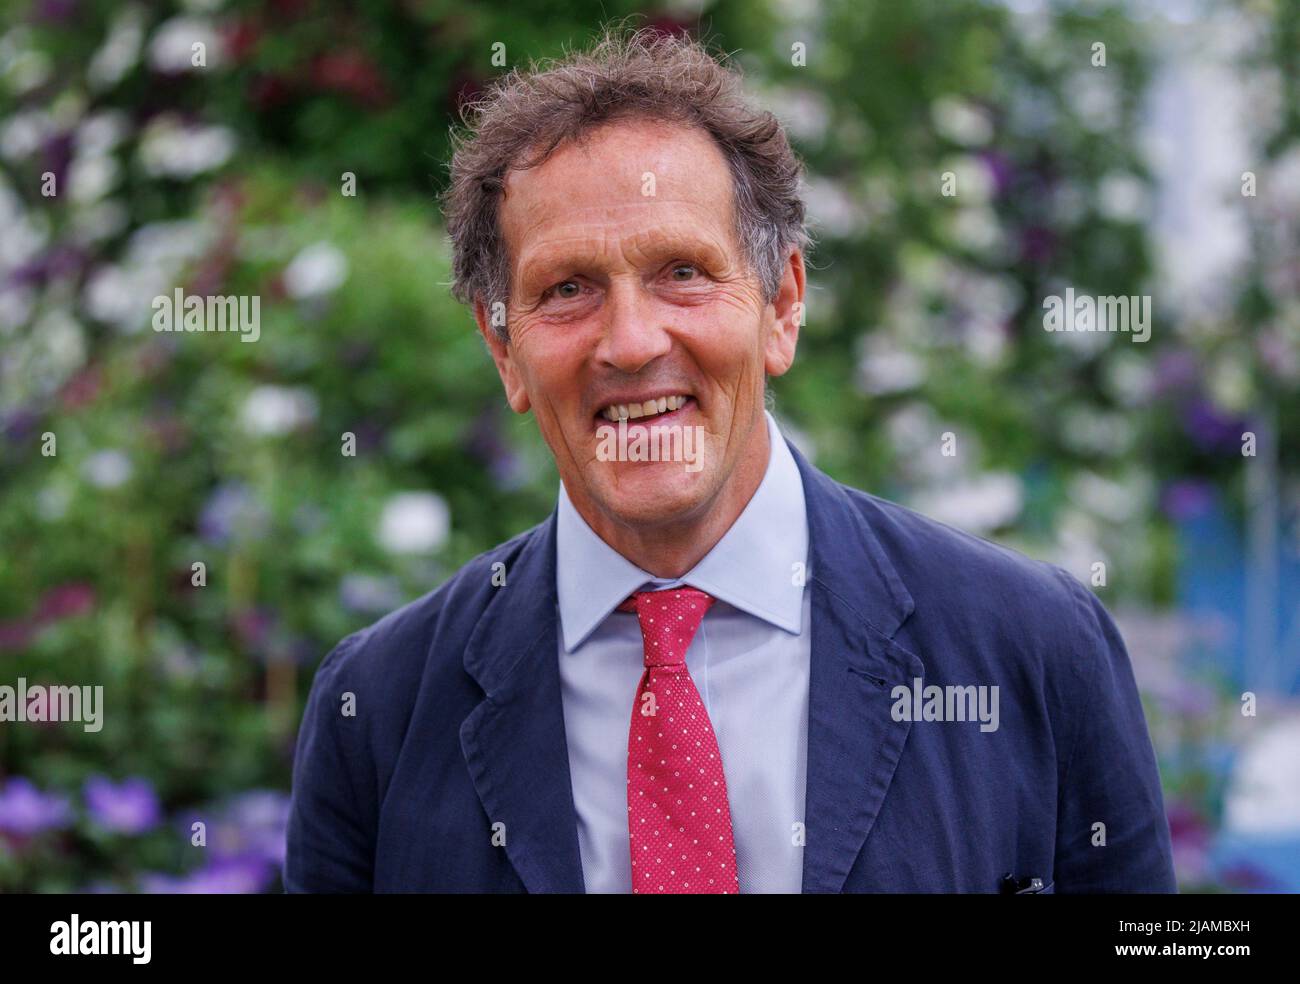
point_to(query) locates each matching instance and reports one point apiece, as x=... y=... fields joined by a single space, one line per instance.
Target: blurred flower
x=52 y=502
x=884 y=366
x=352 y=73
x=1000 y=170
x=120 y=51
x=221 y=876
x=1189 y=834
x=318 y=269
x=171 y=51
x=129 y=807
x=101 y=132
x=414 y=522
x=832 y=207
x=251 y=825
x=171 y=148
x=82 y=389
x=65 y=601
x=232 y=509
x=1176 y=369
x=978 y=505
x=91 y=178
x=1122 y=197
x=804 y=112
x=367 y=594
x=1187 y=498
x=107 y=469
x=961 y=122
x=254 y=627
x=25 y=810
x=1209 y=428
x=270 y=411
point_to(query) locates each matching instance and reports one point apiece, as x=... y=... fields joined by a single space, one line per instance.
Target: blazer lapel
x=514 y=742
x=858 y=603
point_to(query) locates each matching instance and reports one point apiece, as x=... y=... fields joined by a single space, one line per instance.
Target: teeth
x=625 y=411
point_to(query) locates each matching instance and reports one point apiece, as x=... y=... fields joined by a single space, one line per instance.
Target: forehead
x=625 y=184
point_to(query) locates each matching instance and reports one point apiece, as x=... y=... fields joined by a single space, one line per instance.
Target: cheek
x=551 y=360
x=726 y=345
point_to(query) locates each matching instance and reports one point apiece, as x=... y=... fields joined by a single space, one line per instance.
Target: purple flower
x=25 y=810
x=221 y=876
x=252 y=824
x=232 y=509
x=1209 y=427
x=1176 y=370
x=1188 y=498
x=130 y=807
x=1000 y=169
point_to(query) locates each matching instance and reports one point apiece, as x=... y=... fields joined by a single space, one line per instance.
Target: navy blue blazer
x=453 y=774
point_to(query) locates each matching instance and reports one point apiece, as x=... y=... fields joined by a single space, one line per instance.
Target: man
x=713 y=668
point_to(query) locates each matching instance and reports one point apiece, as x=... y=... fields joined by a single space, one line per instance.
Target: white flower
x=831 y=207
x=961 y=122
x=803 y=111
x=24 y=133
x=885 y=367
x=170 y=148
x=317 y=270
x=414 y=522
x=172 y=47
x=120 y=50
x=90 y=178
x=1122 y=196
x=102 y=132
x=270 y=411
x=978 y=505
x=107 y=469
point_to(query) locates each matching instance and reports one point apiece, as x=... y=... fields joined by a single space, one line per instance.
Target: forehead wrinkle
x=575 y=245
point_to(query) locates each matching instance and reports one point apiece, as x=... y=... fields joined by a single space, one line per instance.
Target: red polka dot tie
x=677 y=811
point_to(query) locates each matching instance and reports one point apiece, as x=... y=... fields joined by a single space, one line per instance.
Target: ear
x=502 y=354
x=788 y=308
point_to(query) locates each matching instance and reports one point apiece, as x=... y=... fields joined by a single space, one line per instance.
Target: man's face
x=628 y=286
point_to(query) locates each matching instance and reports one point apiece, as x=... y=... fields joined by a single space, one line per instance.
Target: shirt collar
x=752 y=567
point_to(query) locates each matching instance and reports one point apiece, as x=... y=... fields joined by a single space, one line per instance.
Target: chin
x=649 y=493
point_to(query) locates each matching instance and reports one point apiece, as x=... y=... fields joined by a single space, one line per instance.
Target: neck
x=672 y=548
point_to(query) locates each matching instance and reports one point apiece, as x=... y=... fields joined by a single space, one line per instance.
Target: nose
x=632 y=337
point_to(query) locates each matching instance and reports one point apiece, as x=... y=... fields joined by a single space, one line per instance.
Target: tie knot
x=669 y=620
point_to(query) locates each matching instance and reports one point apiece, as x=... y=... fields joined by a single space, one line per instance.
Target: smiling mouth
x=647 y=411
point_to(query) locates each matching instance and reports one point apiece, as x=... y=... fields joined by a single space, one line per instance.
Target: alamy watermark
x=52 y=704
x=1084 y=312
x=666 y=442
x=236 y=313
x=950 y=703
x=75 y=938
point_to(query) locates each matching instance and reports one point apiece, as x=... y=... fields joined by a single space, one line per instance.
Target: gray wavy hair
x=524 y=117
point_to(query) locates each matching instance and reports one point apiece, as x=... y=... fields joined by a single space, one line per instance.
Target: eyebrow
x=544 y=266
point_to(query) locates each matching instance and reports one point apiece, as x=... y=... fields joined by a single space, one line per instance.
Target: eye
x=567 y=289
x=683 y=268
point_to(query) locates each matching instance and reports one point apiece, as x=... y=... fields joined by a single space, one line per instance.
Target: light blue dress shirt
x=750 y=662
